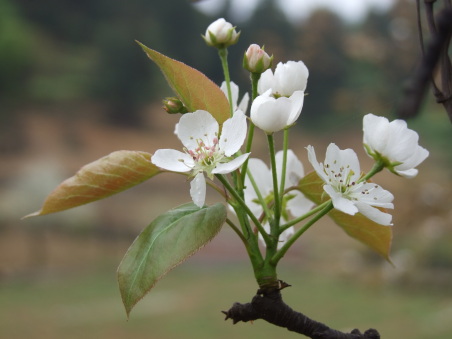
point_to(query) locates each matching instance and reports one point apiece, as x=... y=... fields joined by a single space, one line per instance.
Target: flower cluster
x=271 y=197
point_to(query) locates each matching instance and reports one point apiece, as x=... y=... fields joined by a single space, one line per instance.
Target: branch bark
x=435 y=57
x=270 y=307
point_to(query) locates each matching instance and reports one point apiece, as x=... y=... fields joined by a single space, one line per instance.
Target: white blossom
x=341 y=174
x=288 y=78
x=205 y=151
x=294 y=203
x=394 y=143
x=272 y=115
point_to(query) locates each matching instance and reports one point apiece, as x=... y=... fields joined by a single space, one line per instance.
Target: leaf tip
x=34 y=214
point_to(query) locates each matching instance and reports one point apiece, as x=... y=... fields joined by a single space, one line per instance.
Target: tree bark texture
x=270 y=307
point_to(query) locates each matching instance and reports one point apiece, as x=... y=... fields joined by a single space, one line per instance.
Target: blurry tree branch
x=435 y=58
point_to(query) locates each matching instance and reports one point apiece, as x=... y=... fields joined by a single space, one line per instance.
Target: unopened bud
x=173 y=105
x=221 y=34
x=256 y=60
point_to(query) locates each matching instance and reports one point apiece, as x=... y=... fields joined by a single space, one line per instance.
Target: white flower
x=294 y=203
x=243 y=105
x=221 y=33
x=394 y=143
x=288 y=78
x=272 y=115
x=341 y=174
x=204 y=149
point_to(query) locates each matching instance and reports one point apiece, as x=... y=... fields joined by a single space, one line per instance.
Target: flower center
x=206 y=157
x=341 y=177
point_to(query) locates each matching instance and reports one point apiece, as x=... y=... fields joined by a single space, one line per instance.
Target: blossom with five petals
x=393 y=143
x=341 y=174
x=204 y=149
x=294 y=203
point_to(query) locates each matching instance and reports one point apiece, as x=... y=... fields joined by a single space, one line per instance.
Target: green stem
x=223 y=53
x=236 y=230
x=249 y=142
x=254 y=81
x=259 y=195
x=282 y=251
x=277 y=205
x=284 y=163
x=378 y=167
x=243 y=206
x=304 y=216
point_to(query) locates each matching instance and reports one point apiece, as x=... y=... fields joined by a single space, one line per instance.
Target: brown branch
x=435 y=55
x=270 y=307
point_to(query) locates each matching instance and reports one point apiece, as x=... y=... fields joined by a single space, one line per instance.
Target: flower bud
x=221 y=34
x=173 y=105
x=256 y=60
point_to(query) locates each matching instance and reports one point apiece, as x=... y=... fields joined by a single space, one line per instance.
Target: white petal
x=294 y=168
x=200 y=125
x=243 y=105
x=172 y=160
x=299 y=204
x=234 y=93
x=318 y=167
x=376 y=130
x=374 y=195
x=198 y=189
x=228 y=167
x=261 y=175
x=233 y=133
x=297 y=100
x=265 y=82
x=402 y=142
x=290 y=77
x=417 y=156
x=338 y=159
x=263 y=179
x=339 y=202
x=409 y=174
x=270 y=114
x=375 y=214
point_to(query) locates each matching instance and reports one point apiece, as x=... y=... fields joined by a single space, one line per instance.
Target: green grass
x=187 y=304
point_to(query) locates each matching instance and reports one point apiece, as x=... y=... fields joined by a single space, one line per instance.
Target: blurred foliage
x=61 y=53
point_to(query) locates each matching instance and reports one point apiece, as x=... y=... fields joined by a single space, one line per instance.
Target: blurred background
x=74 y=86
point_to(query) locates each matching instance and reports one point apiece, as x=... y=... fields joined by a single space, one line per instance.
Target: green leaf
x=194 y=89
x=376 y=236
x=165 y=243
x=102 y=178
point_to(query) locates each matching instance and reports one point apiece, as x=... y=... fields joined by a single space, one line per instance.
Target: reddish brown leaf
x=102 y=178
x=194 y=89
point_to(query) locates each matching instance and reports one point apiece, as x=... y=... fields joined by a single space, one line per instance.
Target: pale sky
x=350 y=10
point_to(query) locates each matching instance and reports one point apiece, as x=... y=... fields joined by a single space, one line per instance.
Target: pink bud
x=256 y=60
